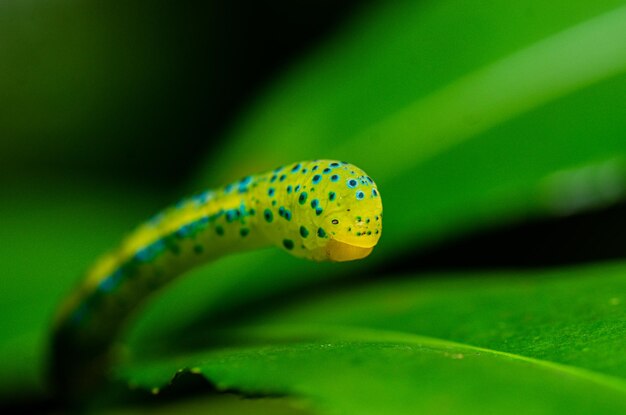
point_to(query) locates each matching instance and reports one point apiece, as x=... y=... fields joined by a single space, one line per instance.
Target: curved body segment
x=319 y=210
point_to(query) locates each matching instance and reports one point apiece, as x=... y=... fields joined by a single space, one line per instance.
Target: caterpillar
x=322 y=210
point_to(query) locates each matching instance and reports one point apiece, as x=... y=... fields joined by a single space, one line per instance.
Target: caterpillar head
x=338 y=210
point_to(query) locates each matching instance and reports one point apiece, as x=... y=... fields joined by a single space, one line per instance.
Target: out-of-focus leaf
x=399 y=87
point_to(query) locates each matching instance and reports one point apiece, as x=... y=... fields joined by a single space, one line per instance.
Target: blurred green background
x=495 y=131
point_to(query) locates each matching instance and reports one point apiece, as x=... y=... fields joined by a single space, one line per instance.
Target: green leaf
x=500 y=343
x=573 y=316
x=404 y=375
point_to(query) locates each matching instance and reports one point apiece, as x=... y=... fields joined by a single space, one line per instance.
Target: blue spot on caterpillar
x=309 y=197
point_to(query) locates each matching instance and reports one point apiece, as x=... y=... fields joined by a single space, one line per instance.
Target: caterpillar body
x=319 y=210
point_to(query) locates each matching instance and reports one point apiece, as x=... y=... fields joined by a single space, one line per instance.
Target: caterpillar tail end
x=75 y=373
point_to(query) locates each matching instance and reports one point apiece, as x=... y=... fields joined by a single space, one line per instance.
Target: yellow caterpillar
x=319 y=210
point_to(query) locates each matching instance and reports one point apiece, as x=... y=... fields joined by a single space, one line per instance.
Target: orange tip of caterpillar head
x=340 y=251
